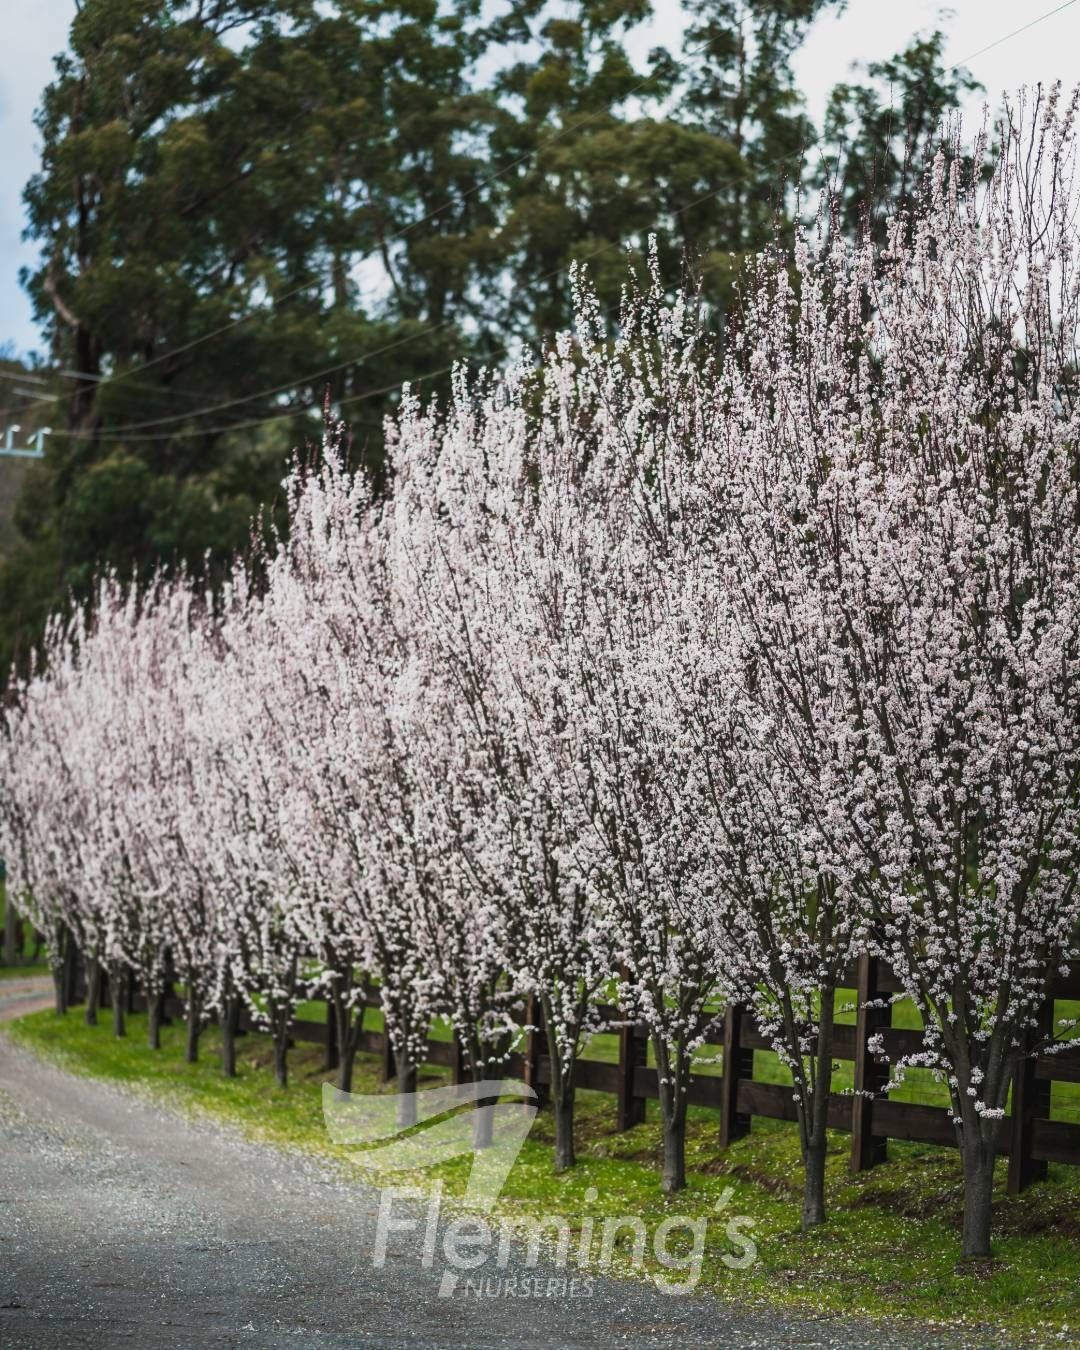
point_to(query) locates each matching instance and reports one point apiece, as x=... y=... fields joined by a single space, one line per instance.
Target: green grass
x=889 y=1249
x=22 y=972
x=26 y=965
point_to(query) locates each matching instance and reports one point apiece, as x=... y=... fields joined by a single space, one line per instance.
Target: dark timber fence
x=1028 y=1137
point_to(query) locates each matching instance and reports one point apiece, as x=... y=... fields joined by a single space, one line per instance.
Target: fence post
x=457 y=1064
x=871 y=1074
x=333 y=1059
x=633 y=1051
x=1030 y=1102
x=738 y=1063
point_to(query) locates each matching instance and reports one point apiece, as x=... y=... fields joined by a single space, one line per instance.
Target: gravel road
x=123 y=1223
x=19 y=996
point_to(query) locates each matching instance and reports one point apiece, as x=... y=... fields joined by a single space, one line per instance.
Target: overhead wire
x=394 y=237
x=124 y=433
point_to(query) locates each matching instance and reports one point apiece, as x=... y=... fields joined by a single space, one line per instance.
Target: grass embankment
x=889 y=1249
x=26 y=965
x=23 y=972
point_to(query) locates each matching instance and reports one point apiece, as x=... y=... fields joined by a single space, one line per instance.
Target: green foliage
x=247 y=207
x=882 y=135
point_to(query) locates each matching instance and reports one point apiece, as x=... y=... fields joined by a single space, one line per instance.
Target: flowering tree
x=616 y=431
x=915 y=535
x=687 y=672
x=489 y=588
x=955 y=517
x=40 y=817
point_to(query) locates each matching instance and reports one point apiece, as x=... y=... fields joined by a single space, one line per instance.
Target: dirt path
x=123 y=1223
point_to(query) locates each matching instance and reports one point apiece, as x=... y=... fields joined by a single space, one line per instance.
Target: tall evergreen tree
x=248 y=207
x=880 y=135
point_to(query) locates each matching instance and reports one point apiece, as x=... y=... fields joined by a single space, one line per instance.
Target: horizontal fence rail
x=1028 y=1137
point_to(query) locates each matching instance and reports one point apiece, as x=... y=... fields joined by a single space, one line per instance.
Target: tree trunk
x=281 y=1063
x=483 y=1131
x=93 y=990
x=194 y=1016
x=813 y=1205
x=978 y=1159
x=671 y=1073
x=814 y=1118
x=406 y=1086
x=349 y=1024
x=71 y=969
x=230 y=1018
x=117 y=996
x=483 y=1119
x=673 y=1177
x=12 y=946
x=60 y=986
x=562 y=1094
x=155 y=1010
x=563 y=1104
x=345 y=1065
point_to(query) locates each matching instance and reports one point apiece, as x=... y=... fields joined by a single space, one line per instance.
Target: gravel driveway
x=123 y=1223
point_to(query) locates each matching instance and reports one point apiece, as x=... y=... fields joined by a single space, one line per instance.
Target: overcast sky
x=35 y=30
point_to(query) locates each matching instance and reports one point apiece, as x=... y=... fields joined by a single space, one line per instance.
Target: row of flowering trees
x=670 y=672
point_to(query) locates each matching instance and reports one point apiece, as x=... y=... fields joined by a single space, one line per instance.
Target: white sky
x=34 y=30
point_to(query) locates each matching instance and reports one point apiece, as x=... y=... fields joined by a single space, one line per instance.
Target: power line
x=1015 y=33
x=122 y=434
x=398 y=234
x=22 y=375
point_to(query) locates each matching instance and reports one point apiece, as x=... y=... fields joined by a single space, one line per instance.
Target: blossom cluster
x=672 y=672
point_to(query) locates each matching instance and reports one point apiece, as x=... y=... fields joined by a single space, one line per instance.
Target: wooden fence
x=1027 y=1136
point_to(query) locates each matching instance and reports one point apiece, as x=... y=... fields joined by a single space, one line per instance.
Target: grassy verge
x=22 y=972
x=889 y=1249
x=26 y=965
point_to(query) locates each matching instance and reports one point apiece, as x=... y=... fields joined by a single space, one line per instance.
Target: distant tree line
x=247 y=209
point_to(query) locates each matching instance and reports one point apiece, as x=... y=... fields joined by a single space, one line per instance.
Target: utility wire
x=1015 y=33
x=286 y=413
x=398 y=234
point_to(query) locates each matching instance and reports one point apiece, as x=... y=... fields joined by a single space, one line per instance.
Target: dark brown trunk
x=345 y=1066
x=118 y=998
x=562 y=1097
x=230 y=1018
x=60 y=989
x=814 y=1118
x=483 y=1130
x=281 y=1062
x=71 y=969
x=671 y=1072
x=194 y=1017
x=813 y=1206
x=978 y=1160
x=12 y=945
x=93 y=990
x=349 y=1029
x=155 y=1010
x=563 y=1103
x=406 y=1086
